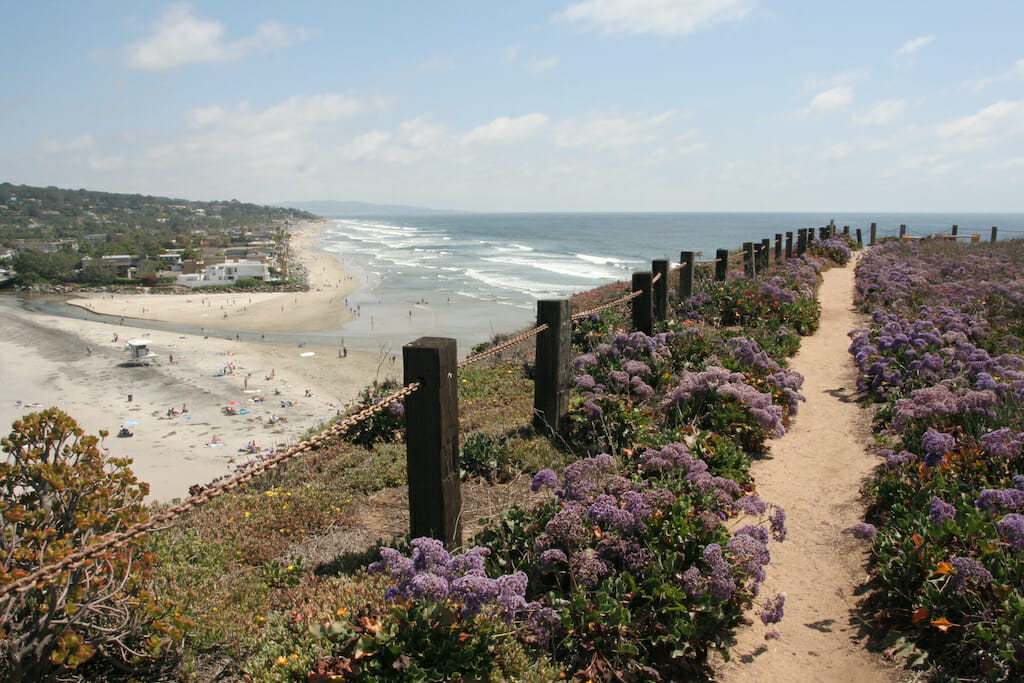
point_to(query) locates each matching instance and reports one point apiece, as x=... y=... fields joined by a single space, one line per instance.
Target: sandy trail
x=815 y=473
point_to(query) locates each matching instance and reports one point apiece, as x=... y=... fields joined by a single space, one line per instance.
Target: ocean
x=470 y=276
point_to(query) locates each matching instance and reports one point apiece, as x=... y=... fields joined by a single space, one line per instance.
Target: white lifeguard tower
x=140 y=351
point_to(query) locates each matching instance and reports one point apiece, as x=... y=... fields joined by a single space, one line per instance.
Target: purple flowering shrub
x=783 y=299
x=722 y=401
x=640 y=558
x=837 y=248
x=616 y=386
x=944 y=353
x=443 y=619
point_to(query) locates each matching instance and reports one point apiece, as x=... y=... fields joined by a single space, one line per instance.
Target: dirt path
x=815 y=473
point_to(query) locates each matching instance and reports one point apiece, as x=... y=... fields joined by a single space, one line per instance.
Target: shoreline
x=75 y=364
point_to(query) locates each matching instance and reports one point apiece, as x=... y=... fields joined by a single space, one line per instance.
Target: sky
x=571 y=105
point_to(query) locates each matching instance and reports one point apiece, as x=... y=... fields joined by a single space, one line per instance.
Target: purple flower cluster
x=968 y=569
x=433 y=575
x=936 y=446
x=592 y=495
x=863 y=530
x=717 y=382
x=771 y=610
x=1000 y=499
x=1011 y=528
x=931 y=403
x=940 y=511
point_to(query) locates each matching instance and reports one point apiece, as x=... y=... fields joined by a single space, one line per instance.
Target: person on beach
x=184 y=408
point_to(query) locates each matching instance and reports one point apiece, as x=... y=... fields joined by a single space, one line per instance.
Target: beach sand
x=45 y=361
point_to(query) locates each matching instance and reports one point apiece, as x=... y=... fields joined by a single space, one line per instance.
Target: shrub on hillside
x=59 y=493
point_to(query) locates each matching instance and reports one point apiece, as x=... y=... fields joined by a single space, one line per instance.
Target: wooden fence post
x=721 y=265
x=642 y=318
x=764 y=254
x=846 y=230
x=823 y=233
x=552 y=372
x=860 y=238
x=749 y=269
x=801 y=241
x=874 y=234
x=686 y=264
x=994 y=234
x=432 y=440
x=789 y=244
x=955 y=229
x=903 y=230
x=659 y=266
x=778 y=247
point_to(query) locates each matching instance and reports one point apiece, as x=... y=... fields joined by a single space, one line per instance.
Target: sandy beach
x=83 y=367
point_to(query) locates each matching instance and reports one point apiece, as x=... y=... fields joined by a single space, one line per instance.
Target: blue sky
x=589 y=105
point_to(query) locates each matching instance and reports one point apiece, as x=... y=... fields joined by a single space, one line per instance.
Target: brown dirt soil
x=815 y=473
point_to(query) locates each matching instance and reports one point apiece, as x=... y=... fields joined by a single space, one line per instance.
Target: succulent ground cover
x=943 y=358
x=643 y=546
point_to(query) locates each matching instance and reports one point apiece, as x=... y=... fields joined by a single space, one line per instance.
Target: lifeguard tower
x=140 y=351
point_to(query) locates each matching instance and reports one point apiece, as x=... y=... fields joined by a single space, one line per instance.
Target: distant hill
x=331 y=208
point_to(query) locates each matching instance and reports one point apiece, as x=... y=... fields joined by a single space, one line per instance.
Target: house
x=124 y=264
x=226 y=273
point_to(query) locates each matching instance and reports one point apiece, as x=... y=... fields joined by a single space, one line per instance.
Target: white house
x=227 y=273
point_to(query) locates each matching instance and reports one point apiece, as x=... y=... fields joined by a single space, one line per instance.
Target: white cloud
x=838 y=151
x=297 y=112
x=663 y=17
x=438 y=64
x=915 y=44
x=180 y=38
x=53 y=145
x=542 y=64
x=506 y=131
x=106 y=163
x=608 y=130
x=995 y=122
x=1016 y=71
x=511 y=54
x=881 y=113
x=827 y=102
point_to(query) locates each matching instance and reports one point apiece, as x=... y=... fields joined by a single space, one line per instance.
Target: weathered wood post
x=778 y=247
x=642 y=313
x=721 y=265
x=789 y=244
x=686 y=263
x=764 y=255
x=659 y=266
x=903 y=231
x=955 y=229
x=823 y=233
x=552 y=373
x=994 y=229
x=860 y=238
x=801 y=241
x=749 y=269
x=874 y=234
x=432 y=440
x=846 y=230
